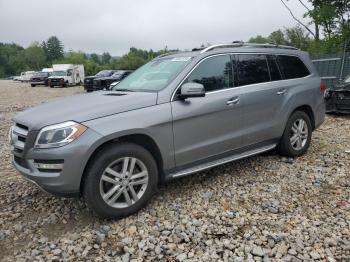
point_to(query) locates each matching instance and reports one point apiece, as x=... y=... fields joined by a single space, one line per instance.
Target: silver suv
x=178 y=114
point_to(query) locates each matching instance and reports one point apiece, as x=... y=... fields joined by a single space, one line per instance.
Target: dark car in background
x=40 y=78
x=338 y=97
x=89 y=80
x=101 y=83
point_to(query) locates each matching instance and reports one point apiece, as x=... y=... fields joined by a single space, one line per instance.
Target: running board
x=224 y=160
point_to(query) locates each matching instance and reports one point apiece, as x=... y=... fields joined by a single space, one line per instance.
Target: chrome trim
x=20 y=131
x=222 y=161
x=243 y=44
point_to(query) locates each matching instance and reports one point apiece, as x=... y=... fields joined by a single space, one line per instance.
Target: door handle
x=281 y=92
x=233 y=101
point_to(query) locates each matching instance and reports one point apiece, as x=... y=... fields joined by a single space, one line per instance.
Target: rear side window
x=274 y=70
x=292 y=67
x=214 y=73
x=252 y=69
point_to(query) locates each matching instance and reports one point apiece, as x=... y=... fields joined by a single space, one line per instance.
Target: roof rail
x=166 y=54
x=243 y=44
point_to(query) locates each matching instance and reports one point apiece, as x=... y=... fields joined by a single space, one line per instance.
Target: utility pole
x=343 y=60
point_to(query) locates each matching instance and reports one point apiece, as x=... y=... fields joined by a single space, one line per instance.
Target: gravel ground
x=264 y=208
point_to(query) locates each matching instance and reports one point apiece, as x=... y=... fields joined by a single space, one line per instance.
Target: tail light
x=322 y=87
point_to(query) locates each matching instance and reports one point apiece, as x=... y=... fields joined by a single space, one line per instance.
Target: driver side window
x=214 y=73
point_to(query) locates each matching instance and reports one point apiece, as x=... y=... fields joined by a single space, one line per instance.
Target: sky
x=115 y=25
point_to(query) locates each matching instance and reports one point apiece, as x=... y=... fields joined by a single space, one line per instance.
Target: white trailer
x=25 y=76
x=47 y=70
x=67 y=75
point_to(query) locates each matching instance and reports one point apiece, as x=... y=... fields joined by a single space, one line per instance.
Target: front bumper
x=89 y=86
x=63 y=181
x=37 y=82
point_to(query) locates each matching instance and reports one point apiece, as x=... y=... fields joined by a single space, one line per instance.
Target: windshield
x=58 y=73
x=154 y=75
x=103 y=73
x=117 y=74
x=41 y=74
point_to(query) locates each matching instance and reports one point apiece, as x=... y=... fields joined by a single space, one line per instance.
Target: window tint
x=214 y=73
x=274 y=70
x=292 y=67
x=252 y=69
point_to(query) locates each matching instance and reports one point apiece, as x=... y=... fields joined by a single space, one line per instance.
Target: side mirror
x=191 y=90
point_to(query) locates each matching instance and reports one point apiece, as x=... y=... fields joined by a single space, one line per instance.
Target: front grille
x=19 y=137
x=55 y=80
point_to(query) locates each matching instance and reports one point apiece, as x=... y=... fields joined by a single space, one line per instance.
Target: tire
x=51 y=86
x=293 y=148
x=113 y=157
x=32 y=85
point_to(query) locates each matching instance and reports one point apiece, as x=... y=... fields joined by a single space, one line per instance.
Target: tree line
x=324 y=27
x=14 y=58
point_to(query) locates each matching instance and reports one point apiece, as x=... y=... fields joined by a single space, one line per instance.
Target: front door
x=207 y=126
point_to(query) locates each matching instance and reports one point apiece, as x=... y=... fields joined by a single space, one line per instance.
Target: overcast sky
x=116 y=25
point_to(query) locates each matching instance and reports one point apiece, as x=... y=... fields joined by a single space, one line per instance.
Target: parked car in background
x=65 y=75
x=40 y=78
x=89 y=80
x=10 y=77
x=101 y=83
x=338 y=97
x=25 y=76
x=174 y=116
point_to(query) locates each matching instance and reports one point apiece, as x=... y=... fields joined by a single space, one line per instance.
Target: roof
x=238 y=47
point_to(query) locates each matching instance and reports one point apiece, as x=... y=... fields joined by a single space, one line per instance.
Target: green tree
x=54 y=48
x=94 y=57
x=35 y=56
x=278 y=37
x=259 y=40
x=297 y=37
x=106 y=58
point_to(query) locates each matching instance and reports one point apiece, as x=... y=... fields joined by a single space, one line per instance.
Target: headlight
x=59 y=135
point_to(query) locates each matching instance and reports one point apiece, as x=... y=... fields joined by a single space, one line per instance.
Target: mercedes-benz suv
x=178 y=114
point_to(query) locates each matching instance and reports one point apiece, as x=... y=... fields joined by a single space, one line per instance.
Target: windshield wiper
x=124 y=89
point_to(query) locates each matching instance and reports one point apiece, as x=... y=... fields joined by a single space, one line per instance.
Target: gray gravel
x=264 y=208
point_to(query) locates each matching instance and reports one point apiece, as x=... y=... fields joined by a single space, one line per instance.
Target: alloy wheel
x=299 y=134
x=124 y=182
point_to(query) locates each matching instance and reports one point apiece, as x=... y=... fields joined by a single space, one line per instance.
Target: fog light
x=47 y=166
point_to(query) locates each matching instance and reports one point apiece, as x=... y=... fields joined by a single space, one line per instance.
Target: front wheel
x=120 y=180
x=32 y=85
x=297 y=135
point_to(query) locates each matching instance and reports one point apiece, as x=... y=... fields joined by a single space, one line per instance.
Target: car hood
x=81 y=108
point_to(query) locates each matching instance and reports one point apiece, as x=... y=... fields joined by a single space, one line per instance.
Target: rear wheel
x=32 y=85
x=297 y=135
x=120 y=181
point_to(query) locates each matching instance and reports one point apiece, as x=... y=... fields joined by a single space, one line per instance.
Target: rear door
x=207 y=126
x=263 y=96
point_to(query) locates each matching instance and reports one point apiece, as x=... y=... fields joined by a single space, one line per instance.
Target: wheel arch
x=140 y=139
x=308 y=110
